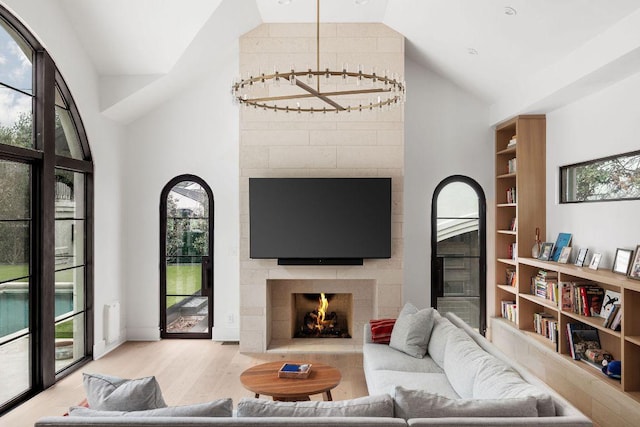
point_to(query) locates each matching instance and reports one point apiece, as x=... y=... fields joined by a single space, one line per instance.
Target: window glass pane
x=187 y=314
x=67 y=141
x=69 y=243
x=187 y=221
x=16 y=69
x=69 y=343
x=60 y=99
x=14 y=249
x=14 y=309
x=15 y=194
x=457 y=200
x=612 y=178
x=14 y=375
x=69 y=291
x=16 y=121
x=184 y=278
x=69 y=194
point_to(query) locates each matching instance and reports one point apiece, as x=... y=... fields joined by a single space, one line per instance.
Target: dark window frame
x=44 y=161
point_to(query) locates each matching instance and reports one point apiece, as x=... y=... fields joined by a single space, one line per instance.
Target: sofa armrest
x=502 y=421
x=367 y=333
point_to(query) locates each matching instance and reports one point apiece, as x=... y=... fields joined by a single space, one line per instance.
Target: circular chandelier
x=371 y=91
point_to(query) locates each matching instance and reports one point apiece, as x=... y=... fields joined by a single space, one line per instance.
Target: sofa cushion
x=497 y=380
x=216 y=408
x=380 y=356
x=381 y=330
x=462 y=359
x=412 y=330
x=370 y=406
x=422 y=404
x=110 y=393
x=442 y=327
x=385 y=381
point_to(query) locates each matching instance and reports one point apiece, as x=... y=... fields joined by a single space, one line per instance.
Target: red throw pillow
x=82 y=403
x=381 y=330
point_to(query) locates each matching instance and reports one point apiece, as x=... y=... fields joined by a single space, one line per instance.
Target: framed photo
x=545 y=251
x=634 y=271
x=564 y=255
x=582 y=257
x=595 y=261
x=622 y=260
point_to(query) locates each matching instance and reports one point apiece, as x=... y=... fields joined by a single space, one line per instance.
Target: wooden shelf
x=633 y=339
x=507 y=175
x=541 y=339
x=508 y=288
x=540 y=301
x=507 y=261
x=508 y=150
x=594 y=372
x=506 y=205
x=510 y=232
x=592 y=321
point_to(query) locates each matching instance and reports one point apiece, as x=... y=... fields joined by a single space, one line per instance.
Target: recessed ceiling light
x=284 y=1
x=508 y=10
x=359 y=2
x=472 y=51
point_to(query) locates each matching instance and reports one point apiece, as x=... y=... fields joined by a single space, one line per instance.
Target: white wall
x=446 y=133
x=49 y=24
x=196 y=132
x=603 y=124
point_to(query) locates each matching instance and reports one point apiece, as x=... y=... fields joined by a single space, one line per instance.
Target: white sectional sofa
x=472 y=378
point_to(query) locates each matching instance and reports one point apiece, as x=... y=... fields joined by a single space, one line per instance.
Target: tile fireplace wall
x=368 y=144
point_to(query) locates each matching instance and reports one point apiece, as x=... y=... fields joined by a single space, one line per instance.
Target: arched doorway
x=186 y=253
x=458 y=250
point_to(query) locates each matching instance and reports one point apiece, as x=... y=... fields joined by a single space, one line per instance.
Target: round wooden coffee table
x=263 y=379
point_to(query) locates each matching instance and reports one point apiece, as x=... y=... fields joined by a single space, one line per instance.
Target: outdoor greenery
x=609 y=179
x=182 y=279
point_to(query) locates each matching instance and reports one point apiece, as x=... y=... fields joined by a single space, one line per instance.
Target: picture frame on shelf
x=545 y=251
x=565 y=253
x=634 y=271
x=595 y=261
x=622 y=260
x=582 y=257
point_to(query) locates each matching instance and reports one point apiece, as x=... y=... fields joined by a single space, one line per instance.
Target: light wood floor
x=189 y=371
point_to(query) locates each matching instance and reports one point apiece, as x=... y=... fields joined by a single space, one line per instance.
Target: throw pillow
x=442 y=327
x=216 y=408
x=370 y=406
x=109 y=393
x=381 y=330
x=422 y=404
x=412 y=331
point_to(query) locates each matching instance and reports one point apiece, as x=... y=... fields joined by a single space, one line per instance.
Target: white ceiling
x=130 y=38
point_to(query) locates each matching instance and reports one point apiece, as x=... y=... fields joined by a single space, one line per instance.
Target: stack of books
x=509 y=311
x=545 y=285
x=582 y=298
x=546 y=325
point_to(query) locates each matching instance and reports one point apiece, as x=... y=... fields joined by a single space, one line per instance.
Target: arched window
x=186 y=254
x=458 y=250
x=46 y=278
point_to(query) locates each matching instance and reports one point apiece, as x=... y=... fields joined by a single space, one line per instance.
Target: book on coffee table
x=294 y=370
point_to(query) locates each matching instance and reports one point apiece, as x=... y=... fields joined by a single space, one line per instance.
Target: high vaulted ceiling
x=513 y=54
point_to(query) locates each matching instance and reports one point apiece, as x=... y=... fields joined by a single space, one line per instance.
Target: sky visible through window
x=16 y=72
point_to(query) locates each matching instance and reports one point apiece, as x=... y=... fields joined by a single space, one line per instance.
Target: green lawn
x=182 y=279
x=13 y=271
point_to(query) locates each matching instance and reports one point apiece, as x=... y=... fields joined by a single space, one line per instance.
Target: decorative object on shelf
x=513 y=141
x=564 y=255
x=582 y=257
x=621 y=261
x=595 y=261
x=385 y=89
x=545 y=251
x=564 y=239
x=535 y=250
x=634 y=271
x=613 y=369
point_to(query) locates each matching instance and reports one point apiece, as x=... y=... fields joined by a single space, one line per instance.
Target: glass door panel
x=15 y=279
x=186 y=303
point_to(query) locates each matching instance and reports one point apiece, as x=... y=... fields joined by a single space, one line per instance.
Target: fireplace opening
x=322 y=315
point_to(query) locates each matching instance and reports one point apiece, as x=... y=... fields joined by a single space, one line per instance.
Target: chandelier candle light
x=386 y=90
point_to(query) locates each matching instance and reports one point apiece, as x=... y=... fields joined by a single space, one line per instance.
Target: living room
x=149 y=124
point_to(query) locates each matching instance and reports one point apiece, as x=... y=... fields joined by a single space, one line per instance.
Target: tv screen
x=320 y=218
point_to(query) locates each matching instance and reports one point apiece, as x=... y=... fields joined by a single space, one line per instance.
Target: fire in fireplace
x=320 y=321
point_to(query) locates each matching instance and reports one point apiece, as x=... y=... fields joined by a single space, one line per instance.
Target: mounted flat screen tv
x=320 y=220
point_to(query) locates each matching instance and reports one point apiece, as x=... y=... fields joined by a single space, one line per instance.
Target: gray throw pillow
x=412 y=330
x=216 y=408
x=422 y=404
x=109 y=393
x=370 y=406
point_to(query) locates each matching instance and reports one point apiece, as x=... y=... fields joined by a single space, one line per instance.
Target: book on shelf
x=511 y=276
x=514 y=224
x=617 y=321
x=546 y=325
x=513 y=251
x=513 y=141
x=509 y=311
x=564 y=239
x=610 y=299
x=511 y=165
x=611 y=316
x=582 y=338
x=581 y=298
x=545 y=285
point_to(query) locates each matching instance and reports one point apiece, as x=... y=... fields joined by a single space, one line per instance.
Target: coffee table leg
x=328 y=393
x=256 y=395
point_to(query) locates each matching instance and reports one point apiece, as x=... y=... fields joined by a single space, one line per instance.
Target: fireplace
x=323 y=315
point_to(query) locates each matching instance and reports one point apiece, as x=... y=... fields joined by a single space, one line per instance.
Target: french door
x=458 y=250
x=186 y=269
